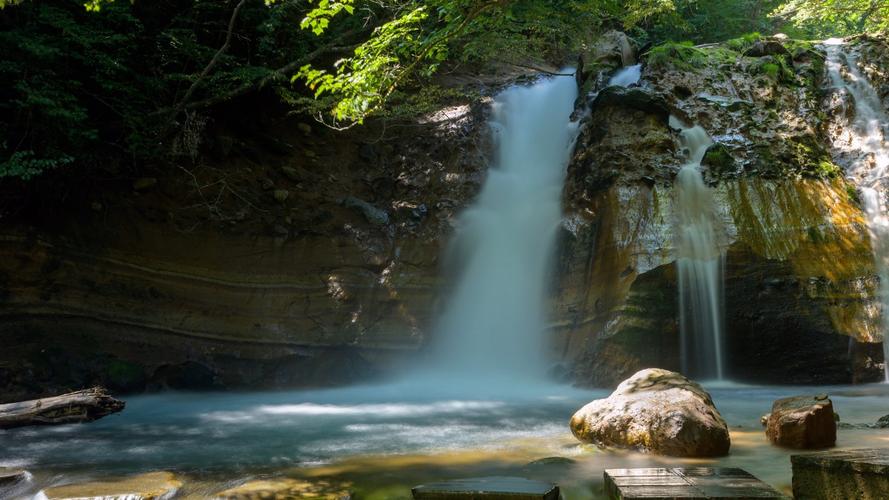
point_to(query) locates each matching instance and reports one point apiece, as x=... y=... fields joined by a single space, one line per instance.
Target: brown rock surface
x=802 y=422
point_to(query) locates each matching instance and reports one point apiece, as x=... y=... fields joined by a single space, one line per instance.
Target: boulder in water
x=656 y=411
x=802 y=422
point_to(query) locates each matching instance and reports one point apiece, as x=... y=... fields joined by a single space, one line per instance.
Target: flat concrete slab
x=699 y=483
x=488 y=488
x=828 y=475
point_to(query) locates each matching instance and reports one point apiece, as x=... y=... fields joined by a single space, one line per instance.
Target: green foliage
x=421 y=35
x=776 y=68
x=706 y=21
x=682 y=55
x=25 y=164
x=93 y=89
x=101 y=83
x=832 y=18
x=743 y=42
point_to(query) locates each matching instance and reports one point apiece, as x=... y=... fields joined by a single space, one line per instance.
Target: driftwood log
x=75 y=407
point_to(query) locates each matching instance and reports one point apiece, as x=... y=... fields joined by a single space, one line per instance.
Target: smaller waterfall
x=861 y=146
x=626 y=76
x=699 y=264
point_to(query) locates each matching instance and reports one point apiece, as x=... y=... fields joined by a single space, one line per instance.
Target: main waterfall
x=699 y=263
x=860 y=144
x=491 y=334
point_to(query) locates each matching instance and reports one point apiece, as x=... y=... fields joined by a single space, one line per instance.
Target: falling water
x=699 y=262
x=492 y=331
x=626 y=76
x=861 y=145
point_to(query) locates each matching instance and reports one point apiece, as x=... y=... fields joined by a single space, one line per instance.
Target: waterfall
x=492 y=331
x=861 y=146
x=626 y=76
x=699 y=264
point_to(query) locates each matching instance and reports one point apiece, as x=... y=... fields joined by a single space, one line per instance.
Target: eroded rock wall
x=294 y=256
x=800 y=285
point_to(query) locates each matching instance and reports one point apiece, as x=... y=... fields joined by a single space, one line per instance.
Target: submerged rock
x=802 y=422
x=149 y=486
x=657 y=411
x=286 y=488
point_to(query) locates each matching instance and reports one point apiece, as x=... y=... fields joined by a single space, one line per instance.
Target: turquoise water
x=225 y=436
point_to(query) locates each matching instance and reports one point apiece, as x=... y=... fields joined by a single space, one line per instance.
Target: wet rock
x=802 y=422
x=883 y=422
x=287 y=488
x=373 y=214
x=14 y=483
x=719 y=162
x=144 y=183
x=9 y=477
x=633 y=98
x=150 y=486
x=656 y=411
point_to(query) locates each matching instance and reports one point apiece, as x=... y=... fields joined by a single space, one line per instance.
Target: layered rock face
x=310 y=258
x=800 y=285
x=656 y=411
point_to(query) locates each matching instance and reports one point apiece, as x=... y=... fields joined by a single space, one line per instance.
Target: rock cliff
x=291 y=255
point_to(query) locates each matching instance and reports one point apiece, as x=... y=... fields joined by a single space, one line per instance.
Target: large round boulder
x=656 y=411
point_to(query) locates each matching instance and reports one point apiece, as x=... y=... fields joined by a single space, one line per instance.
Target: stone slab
x=699 y=483
x=487 y=488
x=832 y=475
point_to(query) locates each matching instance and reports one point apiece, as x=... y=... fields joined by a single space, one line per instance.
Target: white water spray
x=626 y=76
x=491 y=335
x=699 y=263
x=861 y=146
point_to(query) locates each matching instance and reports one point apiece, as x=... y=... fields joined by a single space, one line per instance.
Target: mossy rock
x=719 y=161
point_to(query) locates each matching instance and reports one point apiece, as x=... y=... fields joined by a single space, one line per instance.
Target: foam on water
x=626 y=76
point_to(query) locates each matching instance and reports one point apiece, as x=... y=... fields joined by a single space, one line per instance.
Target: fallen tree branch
x=75 y=407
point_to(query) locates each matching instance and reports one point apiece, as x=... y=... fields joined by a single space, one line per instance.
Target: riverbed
x=381 y=440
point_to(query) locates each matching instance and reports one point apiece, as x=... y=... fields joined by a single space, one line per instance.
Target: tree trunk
x=75 y=407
